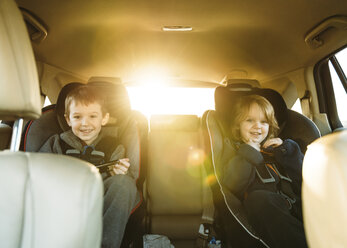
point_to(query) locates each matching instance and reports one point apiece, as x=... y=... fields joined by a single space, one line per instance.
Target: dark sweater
x=239 y=173
x=55 y=144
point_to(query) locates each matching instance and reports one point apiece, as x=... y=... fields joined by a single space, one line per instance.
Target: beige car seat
x=324 y=191
x=47 y=200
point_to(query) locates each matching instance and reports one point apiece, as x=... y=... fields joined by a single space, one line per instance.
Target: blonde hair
x=85 y=95
x=240 y=112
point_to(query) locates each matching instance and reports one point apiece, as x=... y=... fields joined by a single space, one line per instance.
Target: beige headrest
x=324 y=191
x=20 y=93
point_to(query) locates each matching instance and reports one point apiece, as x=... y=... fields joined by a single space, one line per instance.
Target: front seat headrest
x=20 y=92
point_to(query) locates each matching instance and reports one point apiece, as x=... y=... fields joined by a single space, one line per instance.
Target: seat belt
x=207 y=217
x=207 y=201
x=207 y=198
x=206 y=227
x=305 y=104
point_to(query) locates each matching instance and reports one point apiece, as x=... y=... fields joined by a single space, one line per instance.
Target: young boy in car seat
x=265 y=174
x=89 y=140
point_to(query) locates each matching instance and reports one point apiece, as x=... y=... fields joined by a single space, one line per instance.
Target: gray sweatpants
x=119 y=200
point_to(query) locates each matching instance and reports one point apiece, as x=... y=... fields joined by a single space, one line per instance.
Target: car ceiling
x=262 y=39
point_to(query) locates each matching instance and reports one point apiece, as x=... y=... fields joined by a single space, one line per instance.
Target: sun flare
x=153 y=99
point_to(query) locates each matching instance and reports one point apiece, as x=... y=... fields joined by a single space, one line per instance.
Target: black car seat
x=133 y=135
x=51 y=122
x=230 y=218
x=44 y=202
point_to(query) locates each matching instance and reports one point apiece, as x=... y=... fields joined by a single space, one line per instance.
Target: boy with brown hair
x=90 y=140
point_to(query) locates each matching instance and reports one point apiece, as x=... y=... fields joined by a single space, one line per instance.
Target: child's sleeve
x=118 y=153
x=52 y=145
x=290 y=157
x=239 y=172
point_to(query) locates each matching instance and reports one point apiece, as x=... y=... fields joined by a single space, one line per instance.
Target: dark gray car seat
x=51 y=122
x=133 y=134
x=230 y=218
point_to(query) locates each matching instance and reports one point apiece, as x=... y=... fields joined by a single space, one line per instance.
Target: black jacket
x=240 y=175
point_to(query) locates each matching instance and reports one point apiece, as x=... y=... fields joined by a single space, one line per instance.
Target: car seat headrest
x=277 y=102
x=117 y=99
x=20 y=92
x=226 y=97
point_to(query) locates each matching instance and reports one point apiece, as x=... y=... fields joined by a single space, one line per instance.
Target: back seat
x=175 y=180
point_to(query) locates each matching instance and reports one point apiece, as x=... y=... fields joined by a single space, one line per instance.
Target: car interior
x=170 y=72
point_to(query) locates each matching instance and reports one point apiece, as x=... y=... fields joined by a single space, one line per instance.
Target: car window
x=171 y=100
x=297 y=106
x=47 y=102
x=339 y=89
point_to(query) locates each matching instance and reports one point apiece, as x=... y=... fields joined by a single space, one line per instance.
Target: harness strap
x=265 y=176
x=99 y=154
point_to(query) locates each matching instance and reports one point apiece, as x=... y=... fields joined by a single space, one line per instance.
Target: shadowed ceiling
x=124 y=38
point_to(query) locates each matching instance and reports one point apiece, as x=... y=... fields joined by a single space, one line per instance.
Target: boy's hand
x=273 y=142
x=121 y=167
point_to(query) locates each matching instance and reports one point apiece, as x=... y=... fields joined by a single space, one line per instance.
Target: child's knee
x=120 y=183
x=264 y=203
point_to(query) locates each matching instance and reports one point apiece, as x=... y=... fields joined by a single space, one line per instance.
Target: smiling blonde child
x=265 y=174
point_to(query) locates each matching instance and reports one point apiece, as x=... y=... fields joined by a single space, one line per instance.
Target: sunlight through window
x=171 y=100
x=297 y=106
x=47 y=102
x=339 y=91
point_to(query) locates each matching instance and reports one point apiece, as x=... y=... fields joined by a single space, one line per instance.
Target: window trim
x=339 y=71
x=325 y=91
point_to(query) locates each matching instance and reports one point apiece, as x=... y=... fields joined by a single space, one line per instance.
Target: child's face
x=86 y=120
x=254 y=128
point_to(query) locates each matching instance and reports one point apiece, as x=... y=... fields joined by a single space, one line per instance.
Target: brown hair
x=241 y=110
x=85 y=95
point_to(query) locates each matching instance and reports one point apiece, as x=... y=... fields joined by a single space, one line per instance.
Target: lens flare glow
x=196 y=157
x=210 y=179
